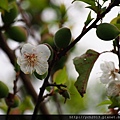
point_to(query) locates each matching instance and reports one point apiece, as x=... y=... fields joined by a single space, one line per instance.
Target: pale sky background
x=89 y=41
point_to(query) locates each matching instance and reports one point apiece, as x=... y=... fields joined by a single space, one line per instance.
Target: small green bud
x=12 y=100
x=106 y=31
x=17 y=33
x=62 y=37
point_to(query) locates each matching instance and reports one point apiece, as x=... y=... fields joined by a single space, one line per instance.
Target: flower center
x=31 y=58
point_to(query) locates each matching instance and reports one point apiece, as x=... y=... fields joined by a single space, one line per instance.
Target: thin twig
x=40 y=97
x=63 y=52
x=14 y=93
x=8 y=111
x=15 y=83
x=84 y=31
x=57 y=85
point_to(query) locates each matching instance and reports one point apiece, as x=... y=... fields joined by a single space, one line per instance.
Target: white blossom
x=113 y=88
x=110 y=73
x=34 y=58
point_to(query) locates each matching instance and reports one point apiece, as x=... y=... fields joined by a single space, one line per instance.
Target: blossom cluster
x=111 y=78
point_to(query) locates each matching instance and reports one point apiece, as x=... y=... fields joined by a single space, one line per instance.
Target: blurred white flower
x=113 y=88
x=34 y=58
x=109 y=72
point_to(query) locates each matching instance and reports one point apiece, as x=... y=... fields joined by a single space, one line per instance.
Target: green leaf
x=116 y=21
x=60 y=77
x=62 y=9
x=84 y=65
x=38 y=4
x=105 y=102
x=10 y=1
x=27 y=104
x=76 y=103
x=4 y=4
x=90 y=2
x=94 y=8
x=89 y=19
x=3 y=105
x=17 y=67
x=115 y=102
x=97 y=8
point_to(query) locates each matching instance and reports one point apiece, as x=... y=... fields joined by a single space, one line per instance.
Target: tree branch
x=64 y=51
x=25 y=78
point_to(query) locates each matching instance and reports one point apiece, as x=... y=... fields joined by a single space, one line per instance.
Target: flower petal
x=111 y=66
x=104 y=68
x=21 y=60
x=107 y=66
x=24 y=69
x=113 y=88
x=24 y=66
x=27 y=69
x=18 y=60
x=43 y=51
x=41 y=68
x=105 y=78
x=28 y=48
